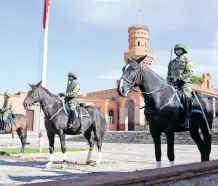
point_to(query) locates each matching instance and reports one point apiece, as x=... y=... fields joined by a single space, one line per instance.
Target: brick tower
x=138 y=44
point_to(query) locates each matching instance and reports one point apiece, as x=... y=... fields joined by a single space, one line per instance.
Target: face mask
x=71 y=79
x=179 y=52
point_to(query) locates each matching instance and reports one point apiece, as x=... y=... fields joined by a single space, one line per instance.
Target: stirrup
x=186 y=123
x=70 y=125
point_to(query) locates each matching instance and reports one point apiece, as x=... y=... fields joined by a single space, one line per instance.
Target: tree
x=196 y=80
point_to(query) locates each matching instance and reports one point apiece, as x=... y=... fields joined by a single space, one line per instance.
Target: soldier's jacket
x=181 y=69
x=7 y=106
x=72 y=90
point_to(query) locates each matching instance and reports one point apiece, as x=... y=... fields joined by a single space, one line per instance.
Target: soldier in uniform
x=73 y=88
x=180 y=72
x=6 y=110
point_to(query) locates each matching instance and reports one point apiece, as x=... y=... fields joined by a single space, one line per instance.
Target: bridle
x=132 y=82
x=45 y=105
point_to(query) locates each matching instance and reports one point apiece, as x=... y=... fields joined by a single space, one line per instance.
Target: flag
x=46 y=4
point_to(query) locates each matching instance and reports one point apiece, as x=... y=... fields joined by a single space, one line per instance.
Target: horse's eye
x=133 y=67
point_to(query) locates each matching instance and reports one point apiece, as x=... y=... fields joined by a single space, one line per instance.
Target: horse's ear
x=31 y=86
x=139 y=60
x=39 y=84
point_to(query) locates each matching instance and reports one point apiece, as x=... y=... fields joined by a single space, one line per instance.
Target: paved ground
x=115 y=158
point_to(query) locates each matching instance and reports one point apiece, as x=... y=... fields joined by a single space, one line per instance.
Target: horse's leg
x=22 y=133
x=51 y=138
x=91 y=142
x=200 y=143
x=170 y=147
x=63 y=148
x=99 y=146
x=157 y=146
x=207 y=140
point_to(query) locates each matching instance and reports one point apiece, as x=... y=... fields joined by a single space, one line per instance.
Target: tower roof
x=138 y=27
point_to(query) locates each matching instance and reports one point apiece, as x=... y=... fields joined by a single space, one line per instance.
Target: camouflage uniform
x=6 y=110
x=180 y=72
x=70 y=97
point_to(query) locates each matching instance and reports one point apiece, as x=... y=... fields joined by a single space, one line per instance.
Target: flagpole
x=140 y=17
x=44 y=69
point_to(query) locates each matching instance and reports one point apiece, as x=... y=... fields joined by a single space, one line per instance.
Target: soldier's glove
x=70 y=95
x=170 y=79
x=180 y=83
x=61 y=95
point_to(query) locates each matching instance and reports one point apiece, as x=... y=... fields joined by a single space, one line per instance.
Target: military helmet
x=6 y=94
x=182 y=47
x=72 y=74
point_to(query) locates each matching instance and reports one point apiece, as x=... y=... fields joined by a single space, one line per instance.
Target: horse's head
x=33 y=96
x=130 y=77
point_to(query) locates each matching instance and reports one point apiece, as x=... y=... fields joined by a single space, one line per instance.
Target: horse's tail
x=104 y=126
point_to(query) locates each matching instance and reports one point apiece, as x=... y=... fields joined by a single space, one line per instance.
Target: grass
x=35 y=150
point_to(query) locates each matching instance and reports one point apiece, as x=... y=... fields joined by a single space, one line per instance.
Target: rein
x=131 y=82
x=45 y=105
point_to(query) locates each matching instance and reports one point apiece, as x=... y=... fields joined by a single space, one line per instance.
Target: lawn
x=35 y=150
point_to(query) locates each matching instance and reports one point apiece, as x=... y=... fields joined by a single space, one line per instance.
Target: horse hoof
x=48 y=165
x=97 y=163
x=64 y=166
x=88 y=162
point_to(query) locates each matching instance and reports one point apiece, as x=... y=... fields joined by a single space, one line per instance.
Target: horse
x=164 y=109
x=16 y=122
x=56 y=121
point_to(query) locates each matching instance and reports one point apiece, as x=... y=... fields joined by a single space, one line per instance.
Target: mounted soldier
x=73 y=88
x=180 y=72
x=6 y=111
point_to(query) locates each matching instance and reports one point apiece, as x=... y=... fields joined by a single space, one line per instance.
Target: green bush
x=196 y=80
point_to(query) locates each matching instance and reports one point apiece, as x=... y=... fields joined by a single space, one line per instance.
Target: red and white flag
x=46 y=4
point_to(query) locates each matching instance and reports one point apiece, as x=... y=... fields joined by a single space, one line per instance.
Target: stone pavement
x=116 y=157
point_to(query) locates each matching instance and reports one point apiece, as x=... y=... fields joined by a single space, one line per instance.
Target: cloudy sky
x=90 y=37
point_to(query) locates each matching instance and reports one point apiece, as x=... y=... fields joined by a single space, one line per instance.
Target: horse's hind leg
x=51 y=139
x=91 y=142
x=207 y=140
x=22 y=133
x=200 y=143
x=99 y=145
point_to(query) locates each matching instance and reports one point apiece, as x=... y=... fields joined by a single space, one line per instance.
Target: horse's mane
x=49 y=93
x=144 y=66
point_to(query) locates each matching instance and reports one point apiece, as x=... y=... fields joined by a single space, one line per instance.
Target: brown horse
x=20 y=127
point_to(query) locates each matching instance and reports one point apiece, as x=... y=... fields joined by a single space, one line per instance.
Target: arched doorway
x=131 y=115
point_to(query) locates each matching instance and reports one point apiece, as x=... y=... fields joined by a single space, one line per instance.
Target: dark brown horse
x=20 y=127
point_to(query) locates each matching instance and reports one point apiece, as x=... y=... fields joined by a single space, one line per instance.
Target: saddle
x=195 y=105
x=80 y=110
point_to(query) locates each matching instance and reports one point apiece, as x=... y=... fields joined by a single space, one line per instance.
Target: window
x=111 y=116
x=138 y=43
x=208 y=84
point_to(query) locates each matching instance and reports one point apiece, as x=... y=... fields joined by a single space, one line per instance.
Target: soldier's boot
x=72 y=119
x=3 y=127
x=82 y=129
x=188 y=108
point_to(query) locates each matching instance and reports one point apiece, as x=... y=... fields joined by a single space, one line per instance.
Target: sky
x=90 y=37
